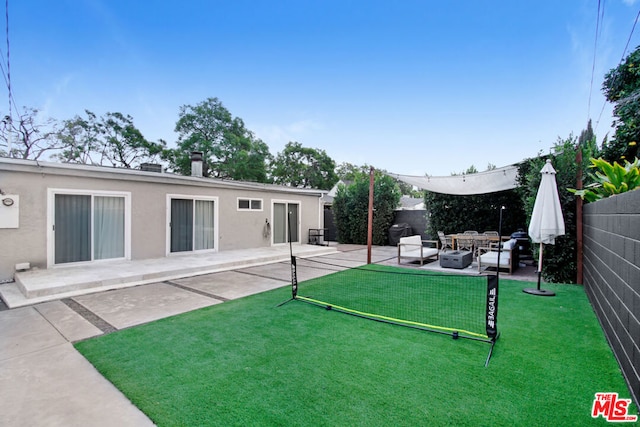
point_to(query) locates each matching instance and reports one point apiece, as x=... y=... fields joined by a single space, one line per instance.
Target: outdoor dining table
x=456 y=236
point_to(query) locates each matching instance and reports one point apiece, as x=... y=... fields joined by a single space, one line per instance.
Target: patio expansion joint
x=264 y=276
x=89 y=316
x=196 y=291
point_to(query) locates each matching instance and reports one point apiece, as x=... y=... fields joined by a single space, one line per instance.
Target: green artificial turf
x=440 y=302
x=248 y=362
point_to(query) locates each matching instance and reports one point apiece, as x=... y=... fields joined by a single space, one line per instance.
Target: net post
x=294 y=282
x=294 y=272
x=294 y=278
x=492 y=307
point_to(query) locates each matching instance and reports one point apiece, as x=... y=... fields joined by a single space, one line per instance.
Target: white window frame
x=287 y=201
x=51 y=194
x=250 y=200
x=216 y=221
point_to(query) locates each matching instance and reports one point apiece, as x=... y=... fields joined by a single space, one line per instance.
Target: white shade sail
x=547 y=221
x=492 y=181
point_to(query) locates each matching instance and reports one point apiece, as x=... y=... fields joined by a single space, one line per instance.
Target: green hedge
x=351 y=206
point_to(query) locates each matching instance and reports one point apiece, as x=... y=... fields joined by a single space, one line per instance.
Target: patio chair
x=480 y=241
x=445 y=242
x=492 y=239
x=412 y=247
x=509 y=258
x=465 y=241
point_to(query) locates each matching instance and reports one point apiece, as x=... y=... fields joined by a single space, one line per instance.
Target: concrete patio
x=40 y=285
x=47 y=382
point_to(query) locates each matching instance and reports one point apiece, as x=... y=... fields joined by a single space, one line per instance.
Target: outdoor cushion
x=492 y=258
x=412 y=247
x=509 y=258
x=509 y=244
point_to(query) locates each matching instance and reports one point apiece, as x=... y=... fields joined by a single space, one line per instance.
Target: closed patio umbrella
x=547 y=221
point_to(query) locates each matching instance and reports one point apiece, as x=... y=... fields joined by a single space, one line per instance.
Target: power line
x=6 y=14
x=595 y=49
x=624 y=52
x=4 y=75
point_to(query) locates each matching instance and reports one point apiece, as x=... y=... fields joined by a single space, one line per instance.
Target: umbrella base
x=539 y=292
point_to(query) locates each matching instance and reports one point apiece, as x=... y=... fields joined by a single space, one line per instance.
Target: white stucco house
x=56 y=214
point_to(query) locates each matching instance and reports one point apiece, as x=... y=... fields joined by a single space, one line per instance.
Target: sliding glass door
x=282 y=230
x=88 y=227
x=192 y=224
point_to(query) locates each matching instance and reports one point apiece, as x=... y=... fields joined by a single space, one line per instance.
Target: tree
x=348 y=171
x=587 y=136
x=111 y=140
x=30 y=137
x=451 y=213
x=303 y=167
x=621 y=86
x=351 y=207
x=123 y=145
x=80 y=140
x=560 y=263
x=229 y=149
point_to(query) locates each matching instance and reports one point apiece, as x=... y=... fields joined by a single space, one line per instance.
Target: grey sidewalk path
x=46 y=382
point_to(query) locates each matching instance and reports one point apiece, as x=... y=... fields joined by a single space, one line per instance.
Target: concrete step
x=38 y=285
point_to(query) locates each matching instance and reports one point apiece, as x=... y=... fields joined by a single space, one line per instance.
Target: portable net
x=461 y=305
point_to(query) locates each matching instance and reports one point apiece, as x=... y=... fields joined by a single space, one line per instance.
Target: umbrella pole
x=540 y=264
x=538 y=291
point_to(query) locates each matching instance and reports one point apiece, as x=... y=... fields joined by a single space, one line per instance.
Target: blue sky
x=412 y=87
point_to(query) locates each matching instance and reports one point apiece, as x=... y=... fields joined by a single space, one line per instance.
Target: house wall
x=149 y=207
x=612 y=276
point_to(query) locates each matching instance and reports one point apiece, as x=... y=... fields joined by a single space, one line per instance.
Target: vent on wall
x=151 y=167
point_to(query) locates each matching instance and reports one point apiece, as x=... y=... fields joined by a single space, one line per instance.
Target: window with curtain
x=108 y=227
x=281 y=213
x=192 y=225
x=279 y=223
x=88 y=227
x=181 y=225
x=204 y=228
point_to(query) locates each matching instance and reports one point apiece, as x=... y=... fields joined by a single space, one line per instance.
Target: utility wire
x=595 y=49
x=624 y=52
x=629 y=39
x=6 y=81
x=6 y=14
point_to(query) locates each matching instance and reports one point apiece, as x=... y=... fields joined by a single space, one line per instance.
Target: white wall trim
x=50 y=237
x=216 y=231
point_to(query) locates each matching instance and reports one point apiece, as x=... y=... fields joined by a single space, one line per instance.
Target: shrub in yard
x=610 y=179
x=351 y=207
x=560 y=260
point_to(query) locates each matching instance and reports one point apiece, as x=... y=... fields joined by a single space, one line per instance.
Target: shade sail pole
x=370 y=220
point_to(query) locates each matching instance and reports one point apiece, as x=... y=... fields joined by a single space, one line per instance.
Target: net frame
x=489 y=320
